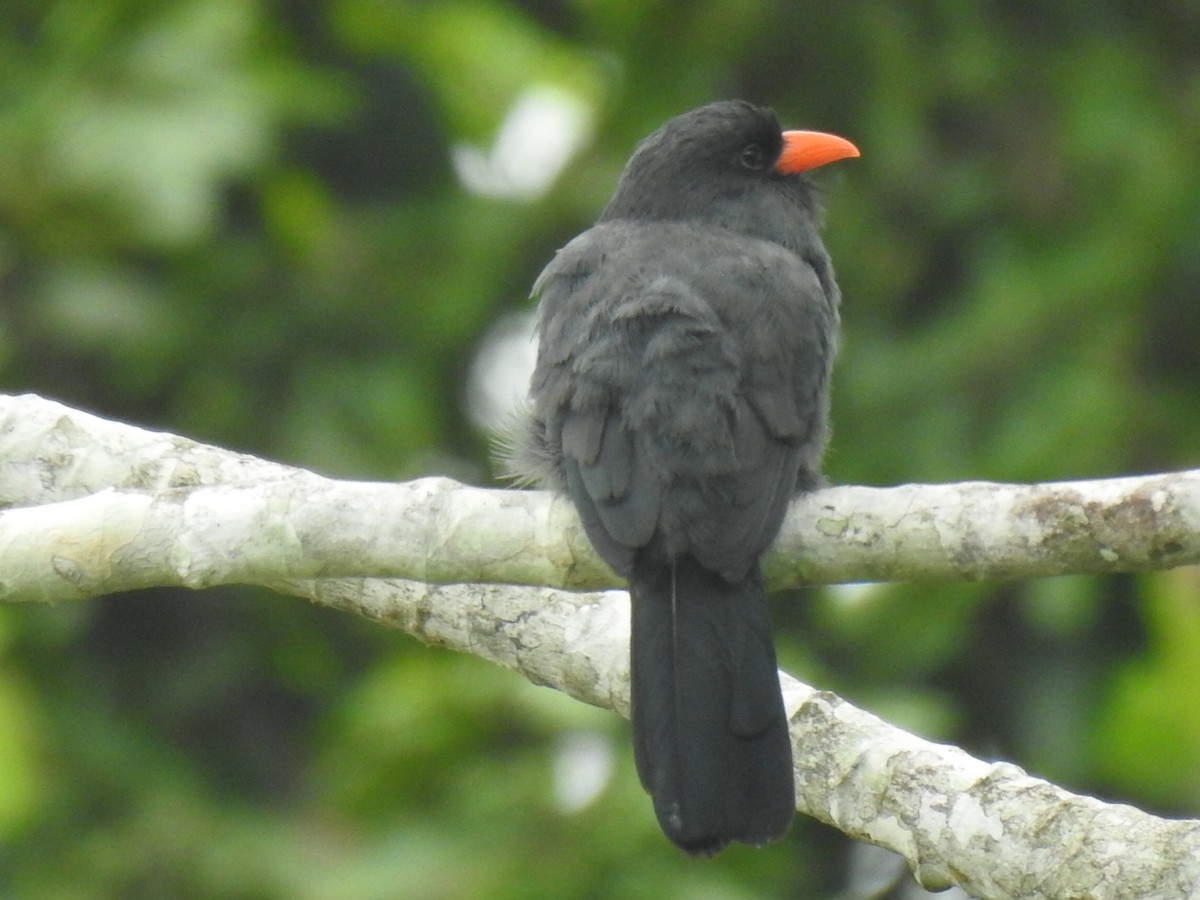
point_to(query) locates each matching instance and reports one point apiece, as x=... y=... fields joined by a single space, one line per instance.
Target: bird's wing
x=681 y=397
x=782 y=320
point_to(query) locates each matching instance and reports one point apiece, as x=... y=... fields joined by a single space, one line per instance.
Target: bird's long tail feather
x=709 y=730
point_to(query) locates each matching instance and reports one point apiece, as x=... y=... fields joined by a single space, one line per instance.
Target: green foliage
x=240 y=221
x=1147 y=721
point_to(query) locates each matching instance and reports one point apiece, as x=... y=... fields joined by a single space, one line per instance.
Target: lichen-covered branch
x=987 y=827
x=96 y=506
x=89 y=506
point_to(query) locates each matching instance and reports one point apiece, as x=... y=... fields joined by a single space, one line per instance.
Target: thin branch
x=94 y=506
x=987 y=827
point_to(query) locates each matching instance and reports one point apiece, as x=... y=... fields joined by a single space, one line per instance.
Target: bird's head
x=730 y=165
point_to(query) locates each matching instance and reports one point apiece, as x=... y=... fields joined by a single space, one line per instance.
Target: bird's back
x=681 y=374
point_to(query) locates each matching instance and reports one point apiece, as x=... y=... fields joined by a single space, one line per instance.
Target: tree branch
x=95 y=506
x=227 y=517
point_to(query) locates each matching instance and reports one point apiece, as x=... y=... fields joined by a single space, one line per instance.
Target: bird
x=680 y=399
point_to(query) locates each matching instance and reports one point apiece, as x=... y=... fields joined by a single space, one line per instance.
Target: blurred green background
x=288 y=227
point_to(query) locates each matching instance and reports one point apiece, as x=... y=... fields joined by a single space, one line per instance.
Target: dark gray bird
x=680 y=399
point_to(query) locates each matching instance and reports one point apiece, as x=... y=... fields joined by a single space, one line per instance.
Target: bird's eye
x=753 y=157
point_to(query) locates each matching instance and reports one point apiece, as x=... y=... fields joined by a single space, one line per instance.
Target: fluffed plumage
x=680 y=399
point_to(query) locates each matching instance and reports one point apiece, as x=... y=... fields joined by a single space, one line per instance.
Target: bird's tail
x=709 y=731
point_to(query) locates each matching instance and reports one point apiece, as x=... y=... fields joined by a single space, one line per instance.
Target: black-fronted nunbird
x=680 y=398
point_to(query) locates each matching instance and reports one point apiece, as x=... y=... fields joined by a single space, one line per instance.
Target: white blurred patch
x=499 y=379
x=540 y=133
x=855 y=593
x=583 y=766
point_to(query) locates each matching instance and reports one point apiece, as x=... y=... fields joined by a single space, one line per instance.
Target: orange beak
x=804 y=150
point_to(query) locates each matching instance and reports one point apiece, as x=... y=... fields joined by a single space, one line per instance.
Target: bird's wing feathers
x=679 y=410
